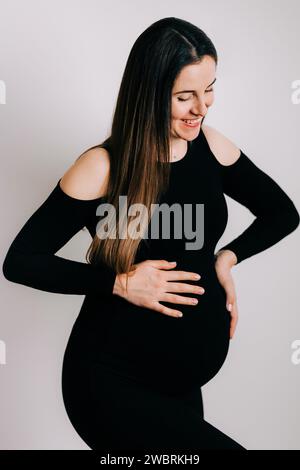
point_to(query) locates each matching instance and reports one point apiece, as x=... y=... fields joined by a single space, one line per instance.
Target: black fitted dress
x=131 y=376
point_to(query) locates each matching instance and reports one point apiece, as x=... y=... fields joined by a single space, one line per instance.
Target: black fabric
x=132 y=377
x=31 y=258
x=276 y=215
x=113 y=412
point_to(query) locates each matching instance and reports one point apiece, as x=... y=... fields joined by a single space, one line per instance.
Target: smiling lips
x=191 y=122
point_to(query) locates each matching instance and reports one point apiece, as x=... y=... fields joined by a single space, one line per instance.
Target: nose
x=200 y=109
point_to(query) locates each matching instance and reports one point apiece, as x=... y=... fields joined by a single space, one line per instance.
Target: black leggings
x=112 y=412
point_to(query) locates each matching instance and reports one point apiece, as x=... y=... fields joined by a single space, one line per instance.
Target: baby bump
x=190 y=349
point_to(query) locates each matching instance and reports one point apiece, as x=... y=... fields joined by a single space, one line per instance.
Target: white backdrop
x=60 y=70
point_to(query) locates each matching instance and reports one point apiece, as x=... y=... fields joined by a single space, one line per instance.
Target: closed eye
x=207 y=91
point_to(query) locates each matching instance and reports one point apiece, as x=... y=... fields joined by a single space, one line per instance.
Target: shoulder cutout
x=87 y=178
x=224 y=150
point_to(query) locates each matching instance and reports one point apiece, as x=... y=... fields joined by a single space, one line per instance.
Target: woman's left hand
x=225 y=259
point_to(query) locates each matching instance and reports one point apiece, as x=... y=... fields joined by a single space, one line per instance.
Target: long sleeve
x=31 y=258
x=276 y=215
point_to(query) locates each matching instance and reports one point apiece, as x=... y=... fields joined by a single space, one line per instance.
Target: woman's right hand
x=149 y=284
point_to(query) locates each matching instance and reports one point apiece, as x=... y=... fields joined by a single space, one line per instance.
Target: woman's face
x=192 y=95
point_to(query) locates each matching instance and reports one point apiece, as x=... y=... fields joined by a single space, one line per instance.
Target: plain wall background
x=62 y=63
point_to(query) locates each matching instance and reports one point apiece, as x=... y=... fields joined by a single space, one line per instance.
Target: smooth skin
x=87 y=178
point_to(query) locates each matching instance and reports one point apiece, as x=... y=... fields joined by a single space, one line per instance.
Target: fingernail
x=229 y=307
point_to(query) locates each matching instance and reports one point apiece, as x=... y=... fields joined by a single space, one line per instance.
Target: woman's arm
x=276 y=214
x=31 y=258
x=242 y=180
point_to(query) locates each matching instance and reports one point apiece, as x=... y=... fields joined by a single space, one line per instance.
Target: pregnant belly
x=167 y=351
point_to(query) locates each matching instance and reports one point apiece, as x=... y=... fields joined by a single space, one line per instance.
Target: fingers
x=182 y=275
x=175 y=275
x=234 y=319
x=179 y=299
x=182 y=287
x=228 y=285
x=166 y=310
x=162 y=263
x=230 y=294
x=231 y=305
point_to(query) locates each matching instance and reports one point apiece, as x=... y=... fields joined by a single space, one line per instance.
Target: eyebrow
x=188 y=91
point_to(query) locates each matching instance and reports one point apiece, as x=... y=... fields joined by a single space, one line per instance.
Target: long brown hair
x=139 y=143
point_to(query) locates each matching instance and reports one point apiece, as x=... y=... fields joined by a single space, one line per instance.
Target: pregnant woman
x=133 y=367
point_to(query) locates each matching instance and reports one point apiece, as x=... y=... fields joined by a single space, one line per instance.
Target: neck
x=178 y=148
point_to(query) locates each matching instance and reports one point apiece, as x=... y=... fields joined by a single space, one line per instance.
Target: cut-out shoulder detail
x=87 y=178
x=223 y=149
x=240 y=157
x=71 y=198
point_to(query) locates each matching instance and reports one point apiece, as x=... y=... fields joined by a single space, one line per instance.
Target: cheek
x=179 y=110
x=210 y=100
